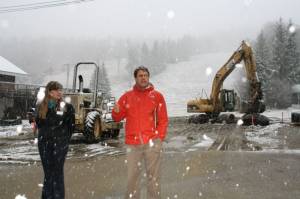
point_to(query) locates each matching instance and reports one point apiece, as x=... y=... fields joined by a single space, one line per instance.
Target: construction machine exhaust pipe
x=96 y=75
x=80 y=83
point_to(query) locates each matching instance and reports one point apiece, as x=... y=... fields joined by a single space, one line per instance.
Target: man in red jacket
x=146 y=126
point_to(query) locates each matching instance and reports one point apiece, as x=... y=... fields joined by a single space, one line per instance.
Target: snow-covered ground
x=8 y=131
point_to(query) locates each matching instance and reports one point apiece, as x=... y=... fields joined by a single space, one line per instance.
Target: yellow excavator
x=222 y=100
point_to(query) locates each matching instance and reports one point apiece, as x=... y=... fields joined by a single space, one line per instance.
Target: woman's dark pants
x=53 y=154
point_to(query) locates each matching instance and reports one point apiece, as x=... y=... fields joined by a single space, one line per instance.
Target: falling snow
x=208 y=71
x=240 y=122
x=20 y=197
x=171 y=14
x=187 y=168
x=292 y=29
x=68 y=99
x=41 y=94
x=151 y=144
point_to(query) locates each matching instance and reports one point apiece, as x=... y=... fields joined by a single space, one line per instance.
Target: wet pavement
x=23 y=149
x=19 y=146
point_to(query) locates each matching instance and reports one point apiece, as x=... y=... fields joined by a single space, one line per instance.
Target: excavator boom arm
x=243 y=53
x=213 y=105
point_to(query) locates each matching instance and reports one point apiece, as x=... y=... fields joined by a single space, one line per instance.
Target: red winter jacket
x=146 y=115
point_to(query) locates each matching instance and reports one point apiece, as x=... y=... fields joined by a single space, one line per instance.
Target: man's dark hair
x=143 y=68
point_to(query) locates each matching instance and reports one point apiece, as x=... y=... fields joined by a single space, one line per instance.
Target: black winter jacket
x=57 y=125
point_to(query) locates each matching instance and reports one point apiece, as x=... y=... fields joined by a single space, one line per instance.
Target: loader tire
x=296 y=117
x=199 y=119
x=92 y=127
x=255 y=119
x=263 y=120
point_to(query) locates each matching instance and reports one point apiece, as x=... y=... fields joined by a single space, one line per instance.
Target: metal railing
x=13 y=90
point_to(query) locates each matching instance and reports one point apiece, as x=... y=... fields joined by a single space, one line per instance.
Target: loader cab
x=228 y=99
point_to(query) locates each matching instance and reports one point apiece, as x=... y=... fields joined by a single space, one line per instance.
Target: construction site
x=228 y=72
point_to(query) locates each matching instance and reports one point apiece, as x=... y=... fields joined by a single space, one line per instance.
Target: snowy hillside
x=179 y=82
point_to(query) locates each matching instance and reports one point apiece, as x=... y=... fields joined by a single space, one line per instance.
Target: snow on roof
x=8 y=68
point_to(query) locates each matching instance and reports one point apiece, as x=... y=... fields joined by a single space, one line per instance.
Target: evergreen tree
x=133 y=58
x=103 y=81
x=156 y=62
x=279 y=50
x=263 y=59
x=279 y=91
x=145 y=55
x=171 y=56
x=292 y=56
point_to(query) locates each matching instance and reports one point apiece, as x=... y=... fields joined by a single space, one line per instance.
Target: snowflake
x=20 y=197
x=240 y=122
x=208 y=71
x=292 y=29
x=171 y=14
x=151 y=144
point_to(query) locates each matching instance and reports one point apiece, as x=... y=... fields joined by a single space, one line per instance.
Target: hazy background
x=146 y=18
x=197 y=36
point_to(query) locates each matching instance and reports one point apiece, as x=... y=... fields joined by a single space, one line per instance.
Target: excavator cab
x=228 y=99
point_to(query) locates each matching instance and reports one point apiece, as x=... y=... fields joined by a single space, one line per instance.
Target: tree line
x=157 y=54
x=278 y=61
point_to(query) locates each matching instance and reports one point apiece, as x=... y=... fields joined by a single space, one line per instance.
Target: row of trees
x=278 y=62
x=158 y=54
x=43 y=56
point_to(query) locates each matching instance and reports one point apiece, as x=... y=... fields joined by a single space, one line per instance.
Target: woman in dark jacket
x=55 y=123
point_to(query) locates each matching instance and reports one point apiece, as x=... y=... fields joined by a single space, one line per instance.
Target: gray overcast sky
x=147 y=18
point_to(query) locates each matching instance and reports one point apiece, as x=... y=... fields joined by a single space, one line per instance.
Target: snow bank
x=267 y=136
x=9 y=131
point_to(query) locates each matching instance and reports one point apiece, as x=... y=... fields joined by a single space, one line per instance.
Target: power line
x=31 y=4
x=41 y=6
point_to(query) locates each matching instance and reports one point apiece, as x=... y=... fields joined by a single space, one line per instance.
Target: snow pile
x=266 y=136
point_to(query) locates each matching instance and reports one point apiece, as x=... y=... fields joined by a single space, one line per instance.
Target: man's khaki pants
x=150 y=154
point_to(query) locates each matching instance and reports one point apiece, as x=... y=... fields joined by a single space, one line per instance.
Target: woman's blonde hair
x=43 y=106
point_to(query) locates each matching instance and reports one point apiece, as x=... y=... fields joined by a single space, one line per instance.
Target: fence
x=16 y=99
